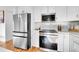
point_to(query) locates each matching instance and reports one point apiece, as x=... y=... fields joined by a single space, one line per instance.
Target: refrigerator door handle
x=19 y=36
x=18 y=32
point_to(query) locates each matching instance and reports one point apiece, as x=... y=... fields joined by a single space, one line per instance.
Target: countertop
x=75 y=33
x=75 y=30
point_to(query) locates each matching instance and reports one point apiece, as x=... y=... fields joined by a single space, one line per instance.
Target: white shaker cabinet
x=67 y=13
x=61 y=13
x=51 y=9
x=48 y=9
x=35 y=35
x=74 y=43
x=66 y=42
x=35 y=41
x=73 y=13
x=37 y=14
x=60 y=42
x=24 y=9
x=42 y=10
x=63 y=42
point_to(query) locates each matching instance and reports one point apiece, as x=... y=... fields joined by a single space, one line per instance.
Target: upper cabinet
x=44 y=10
x=73 y=13
x=48 y=10
x=39 y=11
x=37 y=14
x=61 y=13
x=24 y=9
x=67 y=13
x=51 y=9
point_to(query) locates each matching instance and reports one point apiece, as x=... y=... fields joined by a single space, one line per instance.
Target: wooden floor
x=9 y=45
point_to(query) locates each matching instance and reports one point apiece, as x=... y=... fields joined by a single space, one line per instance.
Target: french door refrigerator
x=22 y=30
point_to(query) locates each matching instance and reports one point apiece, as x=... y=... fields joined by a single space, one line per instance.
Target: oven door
x=47 y=42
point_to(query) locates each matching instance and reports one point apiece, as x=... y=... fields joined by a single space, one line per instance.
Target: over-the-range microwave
x=48 y=17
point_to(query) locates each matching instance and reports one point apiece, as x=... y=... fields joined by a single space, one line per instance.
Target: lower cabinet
x=60 y=42
x=63 y=42
x=66 y=42
x=74 y=43
x=35 y=39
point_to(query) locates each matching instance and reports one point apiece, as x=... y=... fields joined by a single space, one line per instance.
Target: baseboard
x=5 y=40
x=4 y=50
x=2 y=40
x=8 y=40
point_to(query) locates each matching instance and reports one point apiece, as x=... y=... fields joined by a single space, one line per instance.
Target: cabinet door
x=73 y=13
x=39 y=11
x=61 y=13
x=48 y=9
x=44 y=10
x=37 y=14
x=24 y=9
x=66 y=42
x=51 y=9
x=74 y=43
x=71 y=42
x=60 y=42
x=35 y=41
x=63 y=42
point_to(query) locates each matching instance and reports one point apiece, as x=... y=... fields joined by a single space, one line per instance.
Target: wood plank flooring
x=9 y=45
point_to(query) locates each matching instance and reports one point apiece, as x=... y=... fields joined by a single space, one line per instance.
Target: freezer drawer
x=20 y=42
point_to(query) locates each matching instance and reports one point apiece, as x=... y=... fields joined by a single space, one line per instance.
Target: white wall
x=9 y=22
x=2 y=32
x=6 y=28
x=2 y=27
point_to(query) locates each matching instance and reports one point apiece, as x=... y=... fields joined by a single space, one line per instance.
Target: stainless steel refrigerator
x=22 y=30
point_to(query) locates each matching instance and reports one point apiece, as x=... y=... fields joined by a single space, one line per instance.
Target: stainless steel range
x=48 y=39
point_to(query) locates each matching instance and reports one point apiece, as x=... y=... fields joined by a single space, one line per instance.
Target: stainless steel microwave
x=50 y=17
